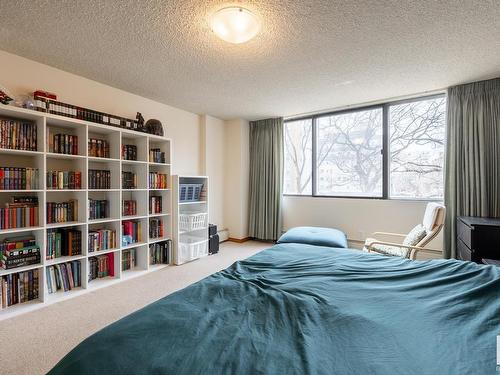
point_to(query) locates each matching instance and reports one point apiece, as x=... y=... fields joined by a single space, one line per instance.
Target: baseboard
x=239 y=240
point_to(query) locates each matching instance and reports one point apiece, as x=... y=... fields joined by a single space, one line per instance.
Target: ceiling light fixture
x=235 y=24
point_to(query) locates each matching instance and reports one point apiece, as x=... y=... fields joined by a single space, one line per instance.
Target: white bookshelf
x=189 y=243
x=44 y=161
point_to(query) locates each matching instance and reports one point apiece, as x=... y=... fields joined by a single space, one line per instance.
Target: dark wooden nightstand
x=478 y=238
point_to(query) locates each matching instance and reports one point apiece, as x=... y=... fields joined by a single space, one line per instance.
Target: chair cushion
x=431 y=215
x=386 y=249
x=315 y=236
x=415 y=236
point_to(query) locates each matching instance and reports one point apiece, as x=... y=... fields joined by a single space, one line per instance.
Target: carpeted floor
x=34 y=342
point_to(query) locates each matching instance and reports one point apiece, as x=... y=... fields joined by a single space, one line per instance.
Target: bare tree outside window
x=417 y=146
x=349 y=158
x=349 y=152
x=298 y=157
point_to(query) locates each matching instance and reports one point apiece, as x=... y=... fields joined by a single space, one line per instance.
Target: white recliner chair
x=408 y=245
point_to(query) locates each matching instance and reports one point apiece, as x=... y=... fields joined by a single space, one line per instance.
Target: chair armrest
x=414 y=249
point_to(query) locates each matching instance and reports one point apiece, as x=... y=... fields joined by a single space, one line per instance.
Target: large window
x=393 y=150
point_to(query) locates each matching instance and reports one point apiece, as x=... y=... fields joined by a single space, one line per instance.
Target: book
x=157 y=180
x=19 y=287
x=102 y=239
x=160 y=252
x=60 y=180
x=18 y=134
x=156 y=155
x=14 y=178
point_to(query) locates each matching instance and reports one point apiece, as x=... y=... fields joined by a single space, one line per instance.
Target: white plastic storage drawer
x=191 y=247
x=192 y=221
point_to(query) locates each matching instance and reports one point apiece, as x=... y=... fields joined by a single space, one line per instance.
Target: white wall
x=212 y=152
x=237 y=156
x=358 y=218
x=23 y=76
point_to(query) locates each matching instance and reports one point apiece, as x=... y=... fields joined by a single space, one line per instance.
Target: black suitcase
x=213 y=244
x=212 y=229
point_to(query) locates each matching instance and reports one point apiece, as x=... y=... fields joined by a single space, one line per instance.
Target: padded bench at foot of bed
x=318 y=236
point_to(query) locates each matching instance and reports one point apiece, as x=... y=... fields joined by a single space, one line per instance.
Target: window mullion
x=313 y=156
x=385 y=151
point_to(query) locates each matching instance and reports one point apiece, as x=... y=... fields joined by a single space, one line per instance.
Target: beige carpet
x=33 y=343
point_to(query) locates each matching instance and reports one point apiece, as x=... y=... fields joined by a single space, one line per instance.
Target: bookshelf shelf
x=47 y=126
x=63 y=259
x=19 y=230
x=155 y=240
x=65 y=224
x=19 y=152
x=19 y=269
x=54 y=155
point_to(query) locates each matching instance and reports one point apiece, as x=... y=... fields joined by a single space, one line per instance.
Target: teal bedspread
x=301 y=309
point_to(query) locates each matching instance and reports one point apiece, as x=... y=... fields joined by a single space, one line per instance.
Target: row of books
x=19 y=287
x=64 y=180
x=51 y=105
x=62 y=212
x=98 y=209
x=129 y=207
x=62 y=143
x=129 y=152
x=64 y=276
x=63 y=242
x=156 y=155
x=160 y=252
x=155 y=204
x=14 y=178
x=101 y=266
x=102 y=239
x=19 y=252
x=131 y=232
x=18 y=135
x=129 y=260
x=129 y=180
x=98 y=148
x=99 y=179
x=19 y=213
x=155 y=228
x=157 y=180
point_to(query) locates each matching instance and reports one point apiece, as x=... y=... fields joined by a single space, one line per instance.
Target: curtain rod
x=366 y=104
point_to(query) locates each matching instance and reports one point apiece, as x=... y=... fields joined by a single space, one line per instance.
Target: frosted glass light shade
x=235 y=25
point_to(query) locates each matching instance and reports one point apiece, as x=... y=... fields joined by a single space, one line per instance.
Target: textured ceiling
x=310 y=55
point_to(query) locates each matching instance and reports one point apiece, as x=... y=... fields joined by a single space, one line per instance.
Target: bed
x=306 y=309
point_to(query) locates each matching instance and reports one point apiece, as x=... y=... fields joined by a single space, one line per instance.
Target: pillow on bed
x=415 y=236
x=315 y=236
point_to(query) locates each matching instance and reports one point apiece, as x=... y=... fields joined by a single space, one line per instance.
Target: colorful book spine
x=129 y=152
x=156 y=156
x=98 y=209
x=155 y=204
x=99 y=179
x=131 y=232
x=19 y=213
x=129 y=207
x=129 y=260
x=13 y=178
x=157 y=180
x=63 y=277
x=160 y=252
x=62 y=143
x=62 y=212
x=98 y=148
x=129 y=180
x=102 y=239
x=18 y=135
x=101 y=266
x=63 y=242
x=60 y=180
x=155 y=228
x=19 y=288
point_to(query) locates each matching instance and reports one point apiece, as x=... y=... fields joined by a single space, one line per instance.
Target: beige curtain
x=472 y=186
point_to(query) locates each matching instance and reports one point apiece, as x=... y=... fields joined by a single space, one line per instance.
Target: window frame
x=385 y=148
